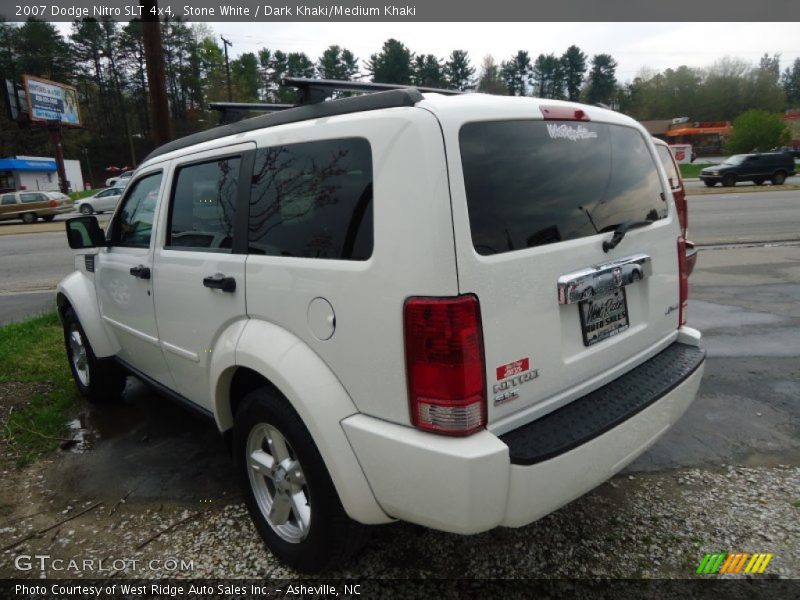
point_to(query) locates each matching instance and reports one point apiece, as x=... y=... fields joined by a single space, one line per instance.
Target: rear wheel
x=729 y=180
x=779 y=178
x=86 y=209
x=48 y=218
x=99 y=380
x=287 y=488
x=29 y=218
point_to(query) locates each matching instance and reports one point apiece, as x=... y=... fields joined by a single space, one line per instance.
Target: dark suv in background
x=775 y=166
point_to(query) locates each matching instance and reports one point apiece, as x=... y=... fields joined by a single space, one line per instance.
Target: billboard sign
x=50 y=101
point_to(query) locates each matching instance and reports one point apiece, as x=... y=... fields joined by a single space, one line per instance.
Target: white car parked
x=369 y=297
x=103 y=201
x=120 y=180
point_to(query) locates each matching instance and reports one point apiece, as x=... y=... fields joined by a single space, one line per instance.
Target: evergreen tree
x=602 y=80
x=574 y=65
x=392 y=64
x=458 y=72
x=517 y=73
x=427 y=72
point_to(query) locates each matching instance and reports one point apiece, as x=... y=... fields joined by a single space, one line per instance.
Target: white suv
x=375 y=300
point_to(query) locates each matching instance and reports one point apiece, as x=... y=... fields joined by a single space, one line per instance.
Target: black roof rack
x=230 y=112
x=408 y=96
x=313 y=91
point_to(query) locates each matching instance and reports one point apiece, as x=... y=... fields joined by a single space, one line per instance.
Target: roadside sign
x=50 y=101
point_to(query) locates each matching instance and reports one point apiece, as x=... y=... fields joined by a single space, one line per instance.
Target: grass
x=692 y=170
x=33 y=367
x=83 y=194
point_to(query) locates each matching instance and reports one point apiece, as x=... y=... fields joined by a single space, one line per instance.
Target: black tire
x=29 y=218
x=779 y=178
x=100 y=380
x=48 y=218
x=86 y=209
x=710 y=183
x=729 y=180
x=332 y=537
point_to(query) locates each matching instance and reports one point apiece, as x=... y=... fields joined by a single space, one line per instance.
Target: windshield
x=531 y=183
x=736 y=159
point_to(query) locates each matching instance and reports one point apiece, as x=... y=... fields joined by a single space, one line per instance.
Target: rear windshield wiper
x=620 y=231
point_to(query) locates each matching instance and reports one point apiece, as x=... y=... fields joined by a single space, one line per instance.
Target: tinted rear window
x=531 y=183
x=313 y=200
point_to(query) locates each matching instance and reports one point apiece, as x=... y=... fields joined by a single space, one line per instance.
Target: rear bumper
x=473 y=484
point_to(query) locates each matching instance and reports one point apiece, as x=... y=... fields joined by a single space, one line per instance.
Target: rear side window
x=313 y=200
x=33 y=197
x=531 y=183
x=203 y=205
x=9 y=199
x=673 y=177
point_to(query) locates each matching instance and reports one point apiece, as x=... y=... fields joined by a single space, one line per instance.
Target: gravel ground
x=642 y=526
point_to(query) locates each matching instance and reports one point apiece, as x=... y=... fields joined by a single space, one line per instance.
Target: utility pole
x=154 y=55
x=225 y=44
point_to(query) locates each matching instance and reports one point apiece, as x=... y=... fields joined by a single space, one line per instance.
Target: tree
x=573 y=63
x=790 y=81
x=427 y=72
x=757 y=130
x=547 y=77
x=517 y=73
x=602 y=80
x=458 y=71
x=245 y=78
x=337 y=63
x=392 y=64
x=491 y=79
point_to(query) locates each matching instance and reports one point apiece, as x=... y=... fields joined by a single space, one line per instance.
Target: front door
x=199 y=266
x=124 y=283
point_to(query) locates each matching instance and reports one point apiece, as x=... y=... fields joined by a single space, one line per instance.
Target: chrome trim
x=599 y=279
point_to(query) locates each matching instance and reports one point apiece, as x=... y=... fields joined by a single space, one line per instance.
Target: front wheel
x=287 y=488
x=98 y=380
x=86 y=209
x=729 y=180
x=778 y=178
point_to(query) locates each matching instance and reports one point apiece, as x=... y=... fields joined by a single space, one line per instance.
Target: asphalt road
x=744 y=217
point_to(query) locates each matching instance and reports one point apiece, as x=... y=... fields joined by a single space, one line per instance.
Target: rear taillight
x=683 y=282
x=53 y=203
x=445 y=365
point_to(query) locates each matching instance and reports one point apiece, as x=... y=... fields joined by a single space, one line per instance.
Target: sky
x=654 y=46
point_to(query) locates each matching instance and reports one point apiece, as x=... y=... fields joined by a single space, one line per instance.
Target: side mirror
x=85 y=232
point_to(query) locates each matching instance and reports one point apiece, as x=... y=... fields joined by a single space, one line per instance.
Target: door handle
x=220 y=282
x=140 y=272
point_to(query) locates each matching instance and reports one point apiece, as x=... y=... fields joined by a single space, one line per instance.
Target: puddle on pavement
x=146 y=445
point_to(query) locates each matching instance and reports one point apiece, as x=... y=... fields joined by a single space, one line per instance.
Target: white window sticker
x=568 y=132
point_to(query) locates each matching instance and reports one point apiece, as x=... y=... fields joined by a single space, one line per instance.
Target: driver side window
x=134 y=223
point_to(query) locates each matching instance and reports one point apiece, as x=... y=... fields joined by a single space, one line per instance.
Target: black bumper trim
x=592 y=415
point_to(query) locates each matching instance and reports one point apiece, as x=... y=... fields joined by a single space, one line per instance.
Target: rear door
x=199 y=273
x=533 y=202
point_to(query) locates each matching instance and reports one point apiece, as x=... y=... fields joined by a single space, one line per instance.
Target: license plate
x=603 y=316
